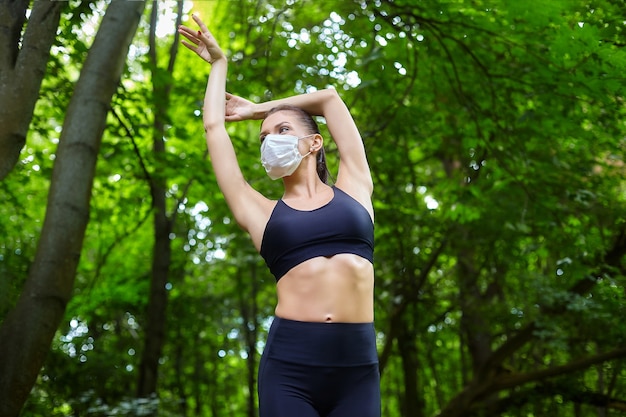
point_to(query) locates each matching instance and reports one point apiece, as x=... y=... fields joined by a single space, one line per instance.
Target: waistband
x=322 y=344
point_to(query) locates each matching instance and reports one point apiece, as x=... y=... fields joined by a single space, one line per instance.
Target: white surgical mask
x=280 y=155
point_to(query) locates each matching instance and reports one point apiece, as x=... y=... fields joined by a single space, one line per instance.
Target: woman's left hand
x=238 y=108
x=202 y=42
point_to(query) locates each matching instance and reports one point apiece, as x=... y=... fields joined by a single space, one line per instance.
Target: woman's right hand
x=202 y=42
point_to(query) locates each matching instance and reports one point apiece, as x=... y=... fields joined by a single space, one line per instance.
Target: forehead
x=275 y=119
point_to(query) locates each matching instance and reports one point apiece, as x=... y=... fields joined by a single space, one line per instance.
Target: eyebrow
x=277 y=125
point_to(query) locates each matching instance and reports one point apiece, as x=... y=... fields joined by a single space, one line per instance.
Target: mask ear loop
x=320 y=161
x=312 y=148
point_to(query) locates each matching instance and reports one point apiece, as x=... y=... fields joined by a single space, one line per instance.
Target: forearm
x=214 y=97
x=316 y=103
x=222 y=153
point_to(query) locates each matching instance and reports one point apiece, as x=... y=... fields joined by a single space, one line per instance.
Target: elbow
x=211 y=126
x=331 y=94
x=333 y=101
x=214 y=133
x=327 y=102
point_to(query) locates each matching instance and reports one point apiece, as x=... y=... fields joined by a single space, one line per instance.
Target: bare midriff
x=337 y=289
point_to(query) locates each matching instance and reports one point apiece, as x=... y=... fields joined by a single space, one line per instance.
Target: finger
x=203 y=28
x=207 y=39
x=200 y=23
x=194 y=41
x=190 y=46
x=189 y=34
x=233 y=118
x=185 y=29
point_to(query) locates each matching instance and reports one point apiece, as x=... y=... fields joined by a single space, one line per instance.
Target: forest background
x=495 y=132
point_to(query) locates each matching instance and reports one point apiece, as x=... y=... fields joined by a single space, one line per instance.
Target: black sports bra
x=293 y=236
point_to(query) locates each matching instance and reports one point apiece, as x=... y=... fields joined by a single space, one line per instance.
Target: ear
x=317 y=143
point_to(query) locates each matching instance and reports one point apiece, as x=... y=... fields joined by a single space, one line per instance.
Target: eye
x=262 y=138
x=283 y=129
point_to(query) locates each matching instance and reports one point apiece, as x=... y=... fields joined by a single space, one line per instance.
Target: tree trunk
x=28 y=329
x=413 y=400
x=249 y=313
x=475 y=330
x=22 y=69
x=154 y=338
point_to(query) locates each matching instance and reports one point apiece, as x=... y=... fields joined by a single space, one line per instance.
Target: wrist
x=258 y=112
x=219 y=60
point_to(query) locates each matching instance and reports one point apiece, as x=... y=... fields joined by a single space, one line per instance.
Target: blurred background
x=495 y=132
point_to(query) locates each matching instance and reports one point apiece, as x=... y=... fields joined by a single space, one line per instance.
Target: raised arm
x=354 y=174
x=246 y=204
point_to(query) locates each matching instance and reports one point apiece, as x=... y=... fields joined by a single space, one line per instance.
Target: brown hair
x=310 y=127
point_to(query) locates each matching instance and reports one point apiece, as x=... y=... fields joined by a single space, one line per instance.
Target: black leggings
x=319 y=370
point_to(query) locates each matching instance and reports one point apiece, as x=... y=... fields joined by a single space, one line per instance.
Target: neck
x=303 y=187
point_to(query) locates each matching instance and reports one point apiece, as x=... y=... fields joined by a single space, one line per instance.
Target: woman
x=320 y=357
